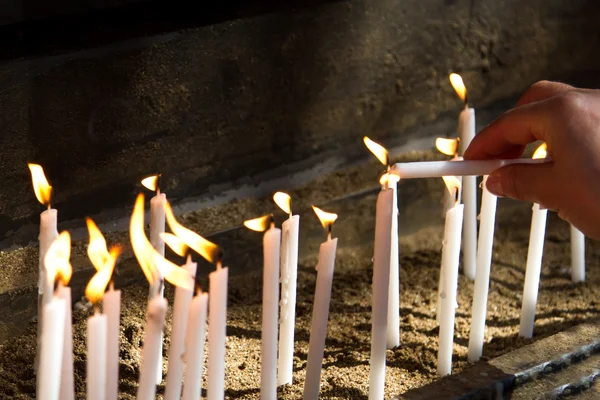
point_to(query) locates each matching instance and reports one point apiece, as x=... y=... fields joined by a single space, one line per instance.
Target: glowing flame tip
x=459 y=86
x=446 y=146
x=378 y=151
x=327 y=219
x=541 y=151
x=283 y=201
x=151 y=182
x=259 y=224
x=41 y=187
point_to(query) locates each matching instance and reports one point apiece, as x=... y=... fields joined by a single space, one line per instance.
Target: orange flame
x=283 y=201
x=153 y=264
x=378 y=151
x=259 y=224
x=41 y=187
x=541 y=151
x=453 y=184
x=57 y=259
x=446 y=146
x=207 y=249
x=459 y=86
x=385 y=178
x=174 y=243
x=103 y=260
x=327 y=219
x=151 y=182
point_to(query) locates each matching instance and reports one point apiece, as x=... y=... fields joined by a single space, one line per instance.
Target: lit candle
x=482 y=277
x=48 y=232
x=194 y=347
x=449 y=277
x=157 y=226
x=534 y=262
x=181 y=306
x=57 y=268
x=393 y=307
x=97 y=325
x=155 y=268
x=381 y=277
x=271 y=249
x=318 y=327
x=111 y=306
x=217 y=316
x=577 y=255
x=289 y=276
x=437 y=169
x=466 y=130
x=449 y=147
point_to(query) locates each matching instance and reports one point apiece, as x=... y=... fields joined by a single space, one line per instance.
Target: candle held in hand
x=318 y=327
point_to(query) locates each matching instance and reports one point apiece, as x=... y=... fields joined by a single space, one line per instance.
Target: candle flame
x=378 y=151
x=446 y=146
x=327 y=219
x=41 y=187
x=154 y=266
x=459 y=86
x=57 y=259
x=174 y=243
x=541 y=151
x=385 y=178
x=259 y=224
x=453 y=184
x=283 y=201
x=207 y=249
x=151 y=182
x=103 y=260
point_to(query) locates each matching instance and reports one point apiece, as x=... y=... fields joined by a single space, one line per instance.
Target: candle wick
x=96 y=308
x=189 y=257
x=329 y=231
x=219 y=265
x=49 y=206
x=112 y=285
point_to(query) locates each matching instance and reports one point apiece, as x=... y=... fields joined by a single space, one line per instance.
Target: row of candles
x=460 y=223
x=280 y=246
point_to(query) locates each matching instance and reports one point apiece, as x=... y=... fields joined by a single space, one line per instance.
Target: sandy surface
x=346 y=364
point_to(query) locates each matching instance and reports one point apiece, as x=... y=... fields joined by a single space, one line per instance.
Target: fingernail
x=493 y=185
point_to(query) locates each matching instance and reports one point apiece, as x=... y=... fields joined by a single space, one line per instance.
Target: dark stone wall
x=219 y=102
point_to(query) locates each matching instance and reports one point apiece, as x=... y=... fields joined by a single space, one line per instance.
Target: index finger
x=508 y=135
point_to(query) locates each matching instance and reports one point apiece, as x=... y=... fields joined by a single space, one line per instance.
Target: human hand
x=568 y=120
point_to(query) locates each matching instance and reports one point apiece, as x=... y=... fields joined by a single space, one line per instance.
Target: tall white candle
x=52 y=350
x=482 y=277
x=577 y=255
x=217 y=322
x=96 y=357
x=381 y=276
x=467 y=133
x=111 y=305
x=533 y=270
x=287 y=316
x=268 y=370
x=447 y=298
x=181 y=305
x=318 y=327
x=194 y=348
x=67 y=384
x=157 y=226
x=155 y=323
x=393 y=309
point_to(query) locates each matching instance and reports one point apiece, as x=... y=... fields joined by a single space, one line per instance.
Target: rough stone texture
x=218 y=105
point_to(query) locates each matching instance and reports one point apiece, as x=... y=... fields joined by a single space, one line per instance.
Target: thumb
x=527 y=182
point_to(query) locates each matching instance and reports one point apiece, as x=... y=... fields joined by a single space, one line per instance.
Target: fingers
x=543 y=90
x=512 y=131
x=534 y=183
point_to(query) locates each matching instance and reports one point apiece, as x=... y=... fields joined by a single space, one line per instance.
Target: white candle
x=466 y=126
x=287 y=317
x=393 y=309
x=268 y=370
x=96 y=357
x=577 y=255
x=157 y=226
x=533 y=270
x=437 y=169
x=482 y=277
x=194 y=348
x=381 y=276
x=447 y=298
x=217 y=322
x=449 y=200
x=52 y=350
x=181 y=305
x=155 y=323
x=318 y=327
x=67 y=384
x=111 y=305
